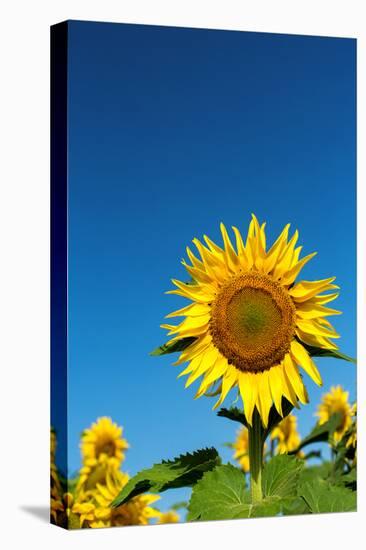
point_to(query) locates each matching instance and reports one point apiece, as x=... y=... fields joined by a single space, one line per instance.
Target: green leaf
x=321 y=352
x=320 y=432
x=221 y=494
x=179 y=505
x=183 y=471
x=350 y=479
x=234 y=414
x=280 y=476
x=178 y=345
x=295 y=507
x=321 y=497
x=317 y=473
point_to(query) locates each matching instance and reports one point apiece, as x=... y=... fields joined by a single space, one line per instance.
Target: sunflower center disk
x=253 y=322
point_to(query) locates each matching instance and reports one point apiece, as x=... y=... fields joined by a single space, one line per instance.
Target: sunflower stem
x=256 y=447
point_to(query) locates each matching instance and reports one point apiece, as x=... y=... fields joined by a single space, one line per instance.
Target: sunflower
x=249 y=324
x=53 y=444
x=168 y=517
x=241 y=446
x=288 y=438
x=352 y=438
x=56 y=505
x=135 y=512
x=102 y=449
x=336 y=401
x=71 y=513
x=103 y=441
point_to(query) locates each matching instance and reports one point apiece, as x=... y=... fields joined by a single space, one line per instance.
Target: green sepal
x=274 y=418
x=321 y=352
x=177 y=346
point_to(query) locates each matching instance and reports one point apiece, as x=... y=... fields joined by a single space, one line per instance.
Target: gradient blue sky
x=170 y=132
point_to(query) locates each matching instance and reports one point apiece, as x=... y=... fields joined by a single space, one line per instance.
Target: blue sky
x=170 y=132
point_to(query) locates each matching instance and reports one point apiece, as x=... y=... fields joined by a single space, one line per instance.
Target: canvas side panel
x=59 y=249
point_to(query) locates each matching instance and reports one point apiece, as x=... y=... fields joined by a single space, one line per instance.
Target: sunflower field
x=250 y=327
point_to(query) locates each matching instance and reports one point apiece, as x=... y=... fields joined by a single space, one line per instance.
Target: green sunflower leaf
x=174 y=347
x=320 y=432
x=183 y=471
x=350 y=479
x=321 y=352
x=222 y=494
x=179 y=505
x=295 y=507
x=316 y=473
x=321 y=497
x=234 y=414
x=281 y=475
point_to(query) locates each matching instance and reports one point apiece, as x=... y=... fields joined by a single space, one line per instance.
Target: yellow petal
x=289 y=277
x=305 y=290
x=217 y=371
x=194 y=349
x=325 y=298
x=276 y=250
x=214 y=264
x=315 y=340
x=242 y=255
x=199 y=275
x=302 y=358
x=194 y=261
x=284 y=261
x=288 y=390
x=194 y=292
x=264 y=402
x=230 y=256
x=193 y=310
x=294 y=376
x=229 y=380
x=248 y=386
x=312 y=326
x=203 y=364
x=311 y=310
x=275 y=383
x=213 y=246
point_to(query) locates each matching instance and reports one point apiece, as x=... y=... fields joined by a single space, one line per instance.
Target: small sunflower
x=135 y=512
x=56 y=505
x=241 y=447
x=352 y=438
x=69 y=512
x=102 y=442
x=53 y=444
x=286 y=434
x=168 y=517
x=336 y=401
x=248 y=323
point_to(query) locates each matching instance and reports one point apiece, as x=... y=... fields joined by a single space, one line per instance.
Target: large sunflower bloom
x=248 y=322
x=336 y=401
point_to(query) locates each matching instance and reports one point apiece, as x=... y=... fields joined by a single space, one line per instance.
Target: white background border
x=24 y=274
